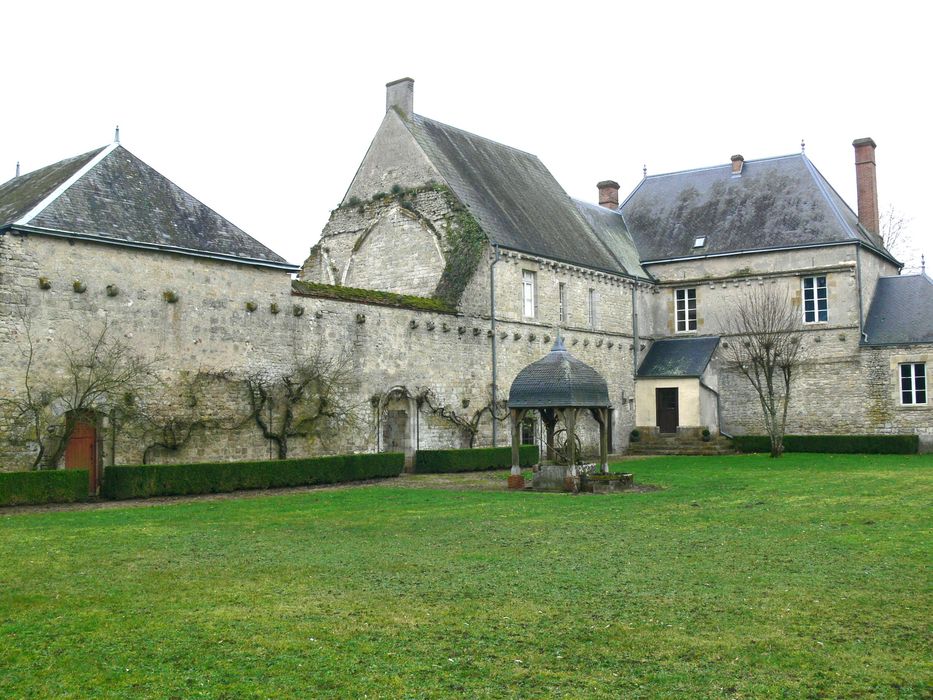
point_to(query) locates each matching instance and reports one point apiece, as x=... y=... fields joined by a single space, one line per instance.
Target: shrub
x=46 y=486
x=476 y=459
x=864 y=444
x=141 y=481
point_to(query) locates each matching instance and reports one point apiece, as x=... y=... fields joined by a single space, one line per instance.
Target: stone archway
x=397 y=429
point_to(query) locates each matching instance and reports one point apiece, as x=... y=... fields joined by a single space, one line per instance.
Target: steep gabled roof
x=678 y=357
x=22 y=194
x=781 y=202
x=514 y=197
x=609 y=227
x=901 y=311
x=111 y=196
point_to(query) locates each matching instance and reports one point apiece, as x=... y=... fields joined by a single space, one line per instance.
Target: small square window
x=699 y=241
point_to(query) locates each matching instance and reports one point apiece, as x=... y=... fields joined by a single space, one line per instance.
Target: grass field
x=743 y=577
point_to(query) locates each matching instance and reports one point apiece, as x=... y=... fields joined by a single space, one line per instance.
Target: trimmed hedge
x=45 y=486
x=142 y=481
x=859 y=444
x=471 y=460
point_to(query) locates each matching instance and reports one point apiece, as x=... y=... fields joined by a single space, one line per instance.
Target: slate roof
x=776 y=203
x=678 y=357
x=515 y=198
x=610 y=228
x=901 y=311
x=109 y=195
x=558 y=380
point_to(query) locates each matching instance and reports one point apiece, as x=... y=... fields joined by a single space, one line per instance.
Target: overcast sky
x=264 y=110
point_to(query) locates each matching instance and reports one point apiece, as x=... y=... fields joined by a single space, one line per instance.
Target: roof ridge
x=62 y=188
x=476 y=136
x=719 y=165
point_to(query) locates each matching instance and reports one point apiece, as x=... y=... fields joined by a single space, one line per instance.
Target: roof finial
x=17 y=168
x=803 y=146
x=116 y=134
x=644 y=170
x=923 y=263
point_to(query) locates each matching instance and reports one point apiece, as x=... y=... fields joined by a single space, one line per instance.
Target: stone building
x=438 y=228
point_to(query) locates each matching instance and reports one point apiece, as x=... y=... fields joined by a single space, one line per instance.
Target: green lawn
x=743 y=577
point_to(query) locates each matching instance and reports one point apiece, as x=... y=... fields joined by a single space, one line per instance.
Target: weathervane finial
x=116 y=134
x=17 y=168
x=644 y=170
x=803 y=146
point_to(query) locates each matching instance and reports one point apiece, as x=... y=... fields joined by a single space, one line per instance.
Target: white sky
x=264 y=110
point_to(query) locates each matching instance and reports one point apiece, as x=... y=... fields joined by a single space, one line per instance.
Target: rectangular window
x=913 y=383
x=815 y=300
x=528 y=294
x=686 y=303
x=591 y=301
x=528 y=430
x=562 y=301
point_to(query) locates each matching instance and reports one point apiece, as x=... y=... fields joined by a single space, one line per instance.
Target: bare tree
x=90 y=372
x=308 y=401
x=895 y=234
x=765 y=347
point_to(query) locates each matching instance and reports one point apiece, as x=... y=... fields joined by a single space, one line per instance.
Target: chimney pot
x=608 y=194
x=866 y=184
x=738 y=161
x=400 y=95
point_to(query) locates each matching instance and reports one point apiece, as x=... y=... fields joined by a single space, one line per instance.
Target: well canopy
x=559 y=380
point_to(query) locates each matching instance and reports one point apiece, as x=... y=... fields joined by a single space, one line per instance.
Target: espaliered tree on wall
x=91 y=373
x=766 y=348
x=309 y=401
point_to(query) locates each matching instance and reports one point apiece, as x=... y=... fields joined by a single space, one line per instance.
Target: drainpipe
x=635 y=340
x=718 y=408
x=858 y=283
x=492 y=324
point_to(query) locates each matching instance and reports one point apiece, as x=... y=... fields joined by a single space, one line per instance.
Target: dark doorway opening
x=665 y=401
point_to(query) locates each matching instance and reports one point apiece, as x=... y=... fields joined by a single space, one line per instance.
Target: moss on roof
x=370 y=296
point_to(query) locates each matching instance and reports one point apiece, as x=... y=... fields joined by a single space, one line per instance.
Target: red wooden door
x=81 y=452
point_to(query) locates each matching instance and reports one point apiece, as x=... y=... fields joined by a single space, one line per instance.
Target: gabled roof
x=515 y=199
x=781 y=202
x=901 y=311
x=109 y=195
x=609 y=227
x=558 y=380
x=678 y=357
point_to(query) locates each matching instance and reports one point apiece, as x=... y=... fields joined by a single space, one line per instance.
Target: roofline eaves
x=191 y=252
x=62 y=188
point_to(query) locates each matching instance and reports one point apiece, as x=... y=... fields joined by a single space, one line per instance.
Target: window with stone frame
x=815 y=300
x=529 y=430
x=562 y=302
x=685 y=303
x=529 y=293
x=592 y=301
x=913 y=378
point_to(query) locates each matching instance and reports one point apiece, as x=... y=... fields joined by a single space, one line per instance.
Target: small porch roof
x=678 y=357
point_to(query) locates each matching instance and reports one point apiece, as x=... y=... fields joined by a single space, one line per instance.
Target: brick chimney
x=608 y=194
x=866 y=184
x=738 y=162
x=400 y=94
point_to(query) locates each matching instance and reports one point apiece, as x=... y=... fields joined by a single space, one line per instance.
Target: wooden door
x=665 y=402
x=81 y=452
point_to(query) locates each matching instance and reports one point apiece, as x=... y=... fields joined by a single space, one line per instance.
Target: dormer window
x=699 y=241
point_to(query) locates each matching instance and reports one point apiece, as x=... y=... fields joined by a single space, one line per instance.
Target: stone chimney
x=738 y=162
x=866 y=184
x=608 y=194
x=400 y=95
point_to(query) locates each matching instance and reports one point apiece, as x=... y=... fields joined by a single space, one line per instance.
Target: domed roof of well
x=558 y=380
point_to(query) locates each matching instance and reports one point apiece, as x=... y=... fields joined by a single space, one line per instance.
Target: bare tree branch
x=766 y=349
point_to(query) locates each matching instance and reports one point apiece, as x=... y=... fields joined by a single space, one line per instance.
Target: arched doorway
x=81 y=450
x=398 y=425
